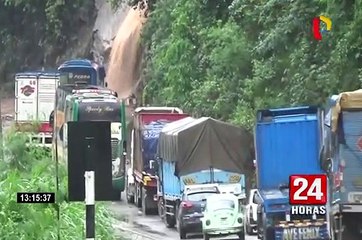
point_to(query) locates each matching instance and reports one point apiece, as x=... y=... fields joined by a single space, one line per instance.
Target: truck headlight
x=116 y=167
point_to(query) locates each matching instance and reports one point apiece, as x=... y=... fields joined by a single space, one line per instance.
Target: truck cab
x=288 y=141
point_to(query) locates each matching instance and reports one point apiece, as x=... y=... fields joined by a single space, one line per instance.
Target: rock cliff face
x=105 y=29
x=93 y=29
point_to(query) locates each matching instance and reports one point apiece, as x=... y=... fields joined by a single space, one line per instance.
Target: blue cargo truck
x=343 y=153
x=197 y=153
x=288 y=141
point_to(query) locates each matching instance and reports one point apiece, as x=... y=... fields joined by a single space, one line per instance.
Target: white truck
x=34 y=101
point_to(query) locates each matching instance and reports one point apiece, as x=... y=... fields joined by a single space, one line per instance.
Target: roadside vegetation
x=32 y=170
x=36 y=33
x=228 y=58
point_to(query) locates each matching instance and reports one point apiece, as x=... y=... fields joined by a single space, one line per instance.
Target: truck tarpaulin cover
x=345 y=100
x=198 y=144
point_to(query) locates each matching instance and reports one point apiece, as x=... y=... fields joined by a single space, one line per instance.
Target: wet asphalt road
x=129 y=217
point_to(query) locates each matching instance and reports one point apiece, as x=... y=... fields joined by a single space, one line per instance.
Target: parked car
x=223 y=216
x=251 y=215
x=192 y=206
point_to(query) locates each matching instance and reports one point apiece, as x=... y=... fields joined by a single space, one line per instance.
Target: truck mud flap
x=302 y=230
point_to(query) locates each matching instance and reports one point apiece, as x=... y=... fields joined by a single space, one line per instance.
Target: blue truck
x=196 y=153
x=343 y=153
x=287 y=141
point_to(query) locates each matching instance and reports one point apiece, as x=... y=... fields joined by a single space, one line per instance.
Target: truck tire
x=248 y=229
x=138 y=196
x=116 y=195
x=241 y=236
x=130 y=198
x=145 y=206
x=161 y=208
x=170 y=221
x=182 y=232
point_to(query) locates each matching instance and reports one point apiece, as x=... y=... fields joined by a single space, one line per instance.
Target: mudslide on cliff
x=124 y=69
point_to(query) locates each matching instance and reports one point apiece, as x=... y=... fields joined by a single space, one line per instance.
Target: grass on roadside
x=32 y=170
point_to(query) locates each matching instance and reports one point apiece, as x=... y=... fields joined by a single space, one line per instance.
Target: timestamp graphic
x=35 y=197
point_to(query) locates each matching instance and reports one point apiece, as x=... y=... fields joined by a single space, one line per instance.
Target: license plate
x=304 y=232
x=223 y=221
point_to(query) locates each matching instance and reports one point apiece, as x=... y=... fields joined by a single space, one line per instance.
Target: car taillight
x=207 y=222
x=186 y=204
x=240 y=220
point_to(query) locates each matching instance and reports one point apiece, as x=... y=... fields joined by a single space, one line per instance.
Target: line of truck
x=303 y=141
x=298 y=140
x=172 y=154
x=168 y=152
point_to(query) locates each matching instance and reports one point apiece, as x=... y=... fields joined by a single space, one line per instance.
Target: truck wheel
x=145 y=205
x=241 y=236
x=206 y=237
x=182 y=233
x=170 y=221
x=161 y=209
x=116 y=195
x=130 y=198
x=248 y=229
x=138 y=197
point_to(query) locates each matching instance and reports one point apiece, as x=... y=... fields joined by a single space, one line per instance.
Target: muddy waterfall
x=123 y=74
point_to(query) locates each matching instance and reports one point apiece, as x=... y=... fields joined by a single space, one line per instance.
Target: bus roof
x=36 y=73
x=79 y=63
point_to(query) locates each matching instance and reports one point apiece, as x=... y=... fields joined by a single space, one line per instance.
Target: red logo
x=308 y=189
x=359 y=143
x=27 y=90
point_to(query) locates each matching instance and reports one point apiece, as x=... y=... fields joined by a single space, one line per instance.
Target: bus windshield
x=79 y=74
x=99 y=111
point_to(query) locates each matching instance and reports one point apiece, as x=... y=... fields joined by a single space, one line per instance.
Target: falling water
x=123 y=72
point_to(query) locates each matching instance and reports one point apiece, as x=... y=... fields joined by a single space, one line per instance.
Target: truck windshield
x=99 y=111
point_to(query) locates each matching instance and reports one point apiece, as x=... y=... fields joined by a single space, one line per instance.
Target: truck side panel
x=47 y=86
x=349 y=161
x=25 y=98
x=281 y=149
x=171 y=184
x=147 y=129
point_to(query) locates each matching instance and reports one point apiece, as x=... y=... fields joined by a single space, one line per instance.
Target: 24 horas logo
x=320 y=26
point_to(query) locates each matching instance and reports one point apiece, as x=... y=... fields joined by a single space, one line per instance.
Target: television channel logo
x=317 y=30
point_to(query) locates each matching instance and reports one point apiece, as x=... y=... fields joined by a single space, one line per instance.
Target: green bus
x=100 y=105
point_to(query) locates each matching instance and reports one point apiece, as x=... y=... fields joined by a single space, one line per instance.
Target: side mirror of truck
x=259 y=209
x=51 y=119
x=153 y=164
x=61 y=131
x=327 y=165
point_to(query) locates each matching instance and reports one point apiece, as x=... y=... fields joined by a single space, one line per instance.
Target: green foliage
x=33 y=171
x=31 y=30
x=228 y=58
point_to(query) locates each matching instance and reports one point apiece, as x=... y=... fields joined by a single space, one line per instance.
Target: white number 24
x=315 y=190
